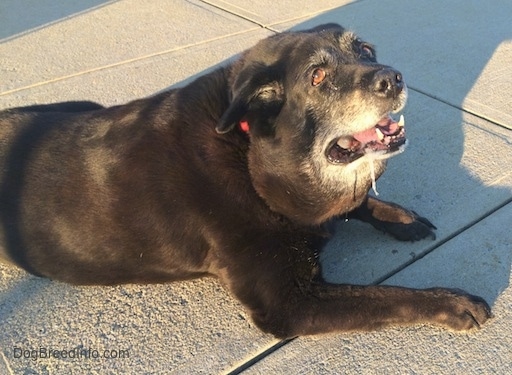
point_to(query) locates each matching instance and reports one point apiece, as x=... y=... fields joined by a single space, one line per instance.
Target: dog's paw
x=461 y=311
x=415 y=229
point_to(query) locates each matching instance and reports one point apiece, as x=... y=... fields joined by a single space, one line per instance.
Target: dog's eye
x=318 y=76
x=367 y=51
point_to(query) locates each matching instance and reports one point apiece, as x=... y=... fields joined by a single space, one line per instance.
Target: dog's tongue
x=367 y=136
x=385 y=127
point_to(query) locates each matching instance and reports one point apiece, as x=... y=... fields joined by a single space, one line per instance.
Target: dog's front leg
x=391 y=218
x=277 y=279
x=344 y=308
x=367 y=308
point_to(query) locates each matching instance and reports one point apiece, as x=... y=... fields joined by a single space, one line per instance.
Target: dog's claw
x=424 y=220
x=461 y=311
x=420 y=228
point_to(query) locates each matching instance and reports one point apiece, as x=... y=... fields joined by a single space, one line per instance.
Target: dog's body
x=172 y=187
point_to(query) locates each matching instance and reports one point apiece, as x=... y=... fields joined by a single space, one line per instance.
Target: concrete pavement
x=456 y=57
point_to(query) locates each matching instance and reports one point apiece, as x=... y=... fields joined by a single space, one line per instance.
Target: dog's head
x=317 y=107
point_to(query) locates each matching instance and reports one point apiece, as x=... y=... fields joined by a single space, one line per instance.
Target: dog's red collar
x=244 y=126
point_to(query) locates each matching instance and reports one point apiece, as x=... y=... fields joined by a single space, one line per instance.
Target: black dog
x=235 y=176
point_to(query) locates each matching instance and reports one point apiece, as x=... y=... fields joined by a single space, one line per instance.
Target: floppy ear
x=236 y=110
x=258 y=92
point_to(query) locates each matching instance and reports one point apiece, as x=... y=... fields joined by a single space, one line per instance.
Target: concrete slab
x=109 y=36
x=183 y=328
x=268 y=12
x=131 y=80
x=479 y=260
x=490 y=95
x=457 y=51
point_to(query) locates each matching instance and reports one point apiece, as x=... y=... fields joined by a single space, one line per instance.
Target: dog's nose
x=388 y=83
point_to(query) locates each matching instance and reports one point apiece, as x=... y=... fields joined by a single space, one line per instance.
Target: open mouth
x=384 y=140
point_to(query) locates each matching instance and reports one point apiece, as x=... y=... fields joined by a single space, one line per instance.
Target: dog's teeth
x=380 y=135
x=401 y=122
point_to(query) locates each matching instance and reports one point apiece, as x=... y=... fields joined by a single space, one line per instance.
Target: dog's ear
x=237 y=109
x=261 y=93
